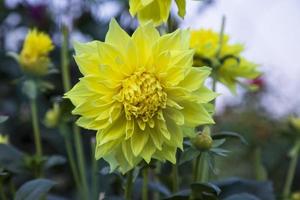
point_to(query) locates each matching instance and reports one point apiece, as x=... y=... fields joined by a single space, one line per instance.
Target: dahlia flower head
x=34 y=57
x=139 y=93
x=157 y=11
x=233 y=65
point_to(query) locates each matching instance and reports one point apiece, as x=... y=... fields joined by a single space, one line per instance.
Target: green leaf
x=205 y=191
x=232 y=186
x=217 y=143
x=181 y=5
x=34 y=189
x=219 y=151
x=3 y=118
x=181 y=195
x=54 y=160
x=13 y=55
x=11 y=159
x=242 y=196
x=188 y=155
x=228 y=134
x=29 y=88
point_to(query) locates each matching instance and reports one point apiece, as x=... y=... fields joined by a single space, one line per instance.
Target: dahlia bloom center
x=142 y=96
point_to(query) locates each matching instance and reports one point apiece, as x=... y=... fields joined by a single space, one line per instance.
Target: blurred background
x=270 y=30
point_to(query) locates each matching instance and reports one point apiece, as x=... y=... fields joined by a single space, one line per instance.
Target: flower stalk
x=145 y=183
x=175 y=181
x=36 y=132
x=291 y=170
x=76 y=131
x=128 y=186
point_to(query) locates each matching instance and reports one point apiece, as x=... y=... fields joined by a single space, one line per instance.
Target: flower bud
x=3 y=139
x=34 y=59
x=52 y=116
x=296 y=196
x=295 y=122
x=203 y=141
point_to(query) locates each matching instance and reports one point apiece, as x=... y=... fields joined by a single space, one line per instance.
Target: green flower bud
x=296 y=196
x=52 y=116
x=295 y=122
x=203 y=141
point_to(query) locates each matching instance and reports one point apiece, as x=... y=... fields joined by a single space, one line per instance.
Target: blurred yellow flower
x=229 y=65
x=3 y=139
x=296 y=196
x=156 y=11
x=139 y=93
x=295 y=122
x=52 y=116
x=34 y=55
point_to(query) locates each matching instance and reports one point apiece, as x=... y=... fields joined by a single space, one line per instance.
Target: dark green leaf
x=260 y=189
x=208 y=188
x=11 y=159
x=242 y=196
x=217 y=143
x=29 y=88
x=3 y=118
x=181 y=195
x=34 y=189
x=158 y=187
x=228 y=134
x=188 y=155
x=219 y=151
x=54 y=161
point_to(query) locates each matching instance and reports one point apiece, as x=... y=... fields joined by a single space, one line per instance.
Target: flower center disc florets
x=142 y=96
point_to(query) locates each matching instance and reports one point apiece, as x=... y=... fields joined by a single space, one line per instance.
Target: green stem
x=65 y=133
x=12 y=188
x=73 y=167
x=291 y=171
x=37 y=136
x=204 y=175
x=2 y=194
x=260 y=172
x=65 y=60
x=157 y=171
x=221 y=37
x=94 y=170
x=129 y=184
x=145 y=184
x=67 y=86
x=81 y=159
x=175 y=182
x=197 y=168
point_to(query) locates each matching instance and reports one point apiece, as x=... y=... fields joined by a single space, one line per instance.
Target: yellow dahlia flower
x=139 y=93
x=34 y=55
x=230 y=65
x=155 y=10
x=3 y=139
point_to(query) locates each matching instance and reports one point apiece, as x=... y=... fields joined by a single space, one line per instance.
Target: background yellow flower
x=3 y=139
x=230 y=65
x=157 y=11
x=34 y=55
x=139 y=93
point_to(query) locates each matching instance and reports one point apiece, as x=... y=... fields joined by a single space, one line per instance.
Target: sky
x=270 y=30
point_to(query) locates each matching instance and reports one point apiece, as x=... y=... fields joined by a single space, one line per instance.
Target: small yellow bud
x=296 y=196
x=52 y=116
x=3 y=139
x=34 y=57
x=203 y=141
x=295 y=122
